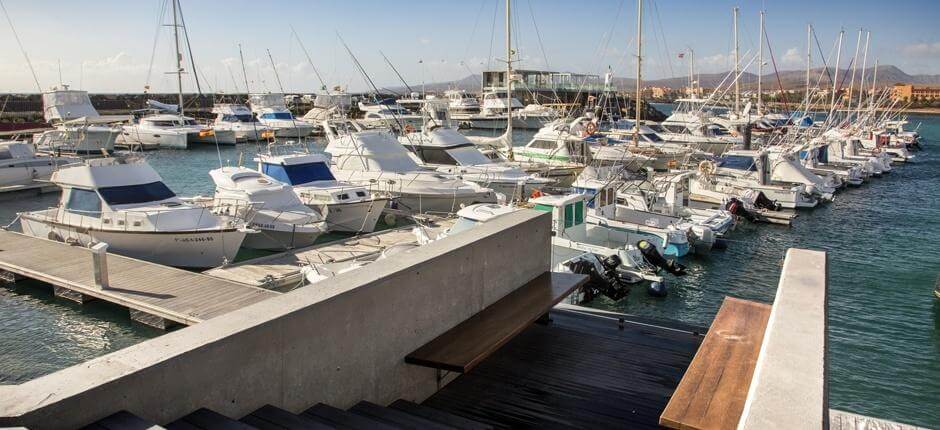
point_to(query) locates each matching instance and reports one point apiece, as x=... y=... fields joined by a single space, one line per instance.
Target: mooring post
x=99 y=253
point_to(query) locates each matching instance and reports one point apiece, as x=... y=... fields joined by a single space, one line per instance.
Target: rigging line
x=368 y=80
x=156 y=38
x=473 y=33
x=20 y=44
x=400 y=77
x=667 y=53
x=489 y=58
x=786 y=106
x=189 y=48
x=823 y=57
x=316 y=71
x=538 y=35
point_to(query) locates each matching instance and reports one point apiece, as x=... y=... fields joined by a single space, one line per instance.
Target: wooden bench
x=712 y=393
x=466 y=345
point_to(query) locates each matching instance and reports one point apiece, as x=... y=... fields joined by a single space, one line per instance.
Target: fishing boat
x=280 y=220
x=667 y=195
x=347 y=207
x=78 y=128
x=460 y=102
x=388 y=113
x=375 y=159
x=448 y=151
x=740 y=171
x=125 y=204
x=171 y=131
x=816 y=159
x=239 y=120
x=272 y=112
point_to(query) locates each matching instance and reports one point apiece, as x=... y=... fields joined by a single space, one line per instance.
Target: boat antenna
x=20 y=44
x=307 y=54
x=402 y=79
x=189 y=48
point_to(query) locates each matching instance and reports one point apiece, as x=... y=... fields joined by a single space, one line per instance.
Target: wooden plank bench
x=466 y=345
x=712 y=393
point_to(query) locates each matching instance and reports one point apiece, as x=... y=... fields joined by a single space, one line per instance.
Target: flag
x=682 y=55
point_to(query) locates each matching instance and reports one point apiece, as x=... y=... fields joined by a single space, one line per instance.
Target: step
x=396 y=417
x=270 y=417
x=344 y=419
x=123 y=421
x=207 y=419
x=439 y=416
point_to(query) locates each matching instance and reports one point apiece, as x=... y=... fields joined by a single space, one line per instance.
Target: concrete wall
x=338 y=342
x=788 y=389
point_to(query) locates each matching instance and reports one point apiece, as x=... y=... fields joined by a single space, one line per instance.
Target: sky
x=120 y=46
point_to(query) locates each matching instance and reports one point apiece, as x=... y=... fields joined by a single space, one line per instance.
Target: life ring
x=536 y=193
x=706 y=167
x=409 y=128
x=589 y=129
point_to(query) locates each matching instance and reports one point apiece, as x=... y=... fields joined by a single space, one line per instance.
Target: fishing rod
x=402 y=79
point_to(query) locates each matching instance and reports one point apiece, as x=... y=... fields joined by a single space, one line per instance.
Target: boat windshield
x=737 y=162
x=462 y=224
x=239 y=118
x=277 y=115
x=652 y=137
x=296 y=174
x=135 y=194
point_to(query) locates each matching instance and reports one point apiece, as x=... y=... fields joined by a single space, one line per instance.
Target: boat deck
x=583 y=370
x=155 y=294
x=282 y=270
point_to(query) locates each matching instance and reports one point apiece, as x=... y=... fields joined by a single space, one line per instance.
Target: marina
x=520 y=248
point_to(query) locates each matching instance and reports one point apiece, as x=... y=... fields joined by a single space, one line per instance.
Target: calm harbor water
x=883 y=261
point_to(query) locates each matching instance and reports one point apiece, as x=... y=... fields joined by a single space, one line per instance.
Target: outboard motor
x=604 y=278
x=652 y=256
x=736 y=207
x=762 y=202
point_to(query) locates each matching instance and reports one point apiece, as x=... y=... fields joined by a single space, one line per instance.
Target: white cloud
x=792 y=57
x=921 y=49
x=424 y=41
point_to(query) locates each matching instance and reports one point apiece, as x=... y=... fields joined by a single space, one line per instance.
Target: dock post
x=99 y=253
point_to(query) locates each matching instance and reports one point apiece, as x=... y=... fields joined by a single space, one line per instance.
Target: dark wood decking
x=580 y=371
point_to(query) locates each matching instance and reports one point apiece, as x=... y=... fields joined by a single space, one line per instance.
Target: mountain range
x=789 y=79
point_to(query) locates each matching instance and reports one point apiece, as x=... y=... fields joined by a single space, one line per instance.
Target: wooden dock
x=156 y=295
x=282 y=270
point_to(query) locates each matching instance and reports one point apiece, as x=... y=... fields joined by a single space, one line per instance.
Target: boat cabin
x=309 y=170
x=234 y=113
x=567 y=214
x=747 y=162
x=64 y=105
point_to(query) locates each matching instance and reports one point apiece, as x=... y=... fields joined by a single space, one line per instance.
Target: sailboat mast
x=858 y=44
x=179 y=60
x=874 y=81
x=737 y=64
x=691 y=72
x=760 y=66
x=639 y=70
x=509 y=78
x=835 y=75
x=861 y=82
x=809 y=59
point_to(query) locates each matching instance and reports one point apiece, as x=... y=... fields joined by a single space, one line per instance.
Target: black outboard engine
x=609 y=282
x=736 y=207
x=652 y=256
x=762 y=202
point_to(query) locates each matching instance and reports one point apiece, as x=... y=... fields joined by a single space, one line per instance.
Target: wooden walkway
x=282 y=270
x=151 y=291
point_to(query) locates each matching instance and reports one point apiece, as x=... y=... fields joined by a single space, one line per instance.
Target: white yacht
x=272 y=111
x=375 y=158
x=460 y=102
x=388 y=113
x=274 y=211
x=448 y=151
x=19 y=165
x=566 y=142
x=816 y=158
x=79 y=129
x=347 y=207
x=239 y=120
x=492 y=114
x=739 y=171
x=171 y=131
x=126 y=205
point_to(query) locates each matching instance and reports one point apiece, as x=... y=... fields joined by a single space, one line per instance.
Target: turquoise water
x=883 y=253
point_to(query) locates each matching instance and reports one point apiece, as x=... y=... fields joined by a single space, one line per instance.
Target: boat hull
x=437 y=203
x=361 y=216
x=279 y=240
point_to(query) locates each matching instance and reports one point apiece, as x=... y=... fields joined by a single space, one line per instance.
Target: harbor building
x=913 y=92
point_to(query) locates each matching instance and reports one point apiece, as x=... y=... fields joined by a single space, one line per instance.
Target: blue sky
x=105 y=45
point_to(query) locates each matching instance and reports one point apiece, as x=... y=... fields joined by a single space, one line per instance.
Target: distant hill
x=789 y=79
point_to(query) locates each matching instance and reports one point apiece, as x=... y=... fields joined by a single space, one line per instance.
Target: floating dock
x=156 y=295
x=282 y=270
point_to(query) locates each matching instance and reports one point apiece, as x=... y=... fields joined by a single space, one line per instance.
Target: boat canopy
x=371 y=150
x=270 y=100
x=67 y=104
x=94 y=175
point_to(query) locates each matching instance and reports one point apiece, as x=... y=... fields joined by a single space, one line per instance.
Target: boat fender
x=657 y=289
x=652 y=256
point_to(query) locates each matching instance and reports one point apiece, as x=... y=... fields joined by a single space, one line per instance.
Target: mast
x=737 y=66
x=874 y=81
x=809 y=59
x=835 y=75
x=861 y=82
x=858 y=43
x=760 y=65
x=691 y=73
x=179 y=60
x=639 y=70
x=509 y=79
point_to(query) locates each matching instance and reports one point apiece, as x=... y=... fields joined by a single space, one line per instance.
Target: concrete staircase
x=401 y=414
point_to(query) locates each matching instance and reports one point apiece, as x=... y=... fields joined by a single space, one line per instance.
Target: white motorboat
x=460 y=102
x=492 y=114
x=239 y=120
x=816 y=159
x=126 y=205
x=739 y=171
x=79 y=129
x=20 y=165
x=785 y=167
x=667 y=195
x=272 y=111
x=274 y=211
x=375 y=159
x=388 y=113
x=563 y=142
x=171 y=131
x=348 y=207
x=326 y=105
x=448 y=151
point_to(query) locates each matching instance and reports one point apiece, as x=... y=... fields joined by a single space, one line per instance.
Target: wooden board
x=174 y=294
x=466 y=345
x=714 y=388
